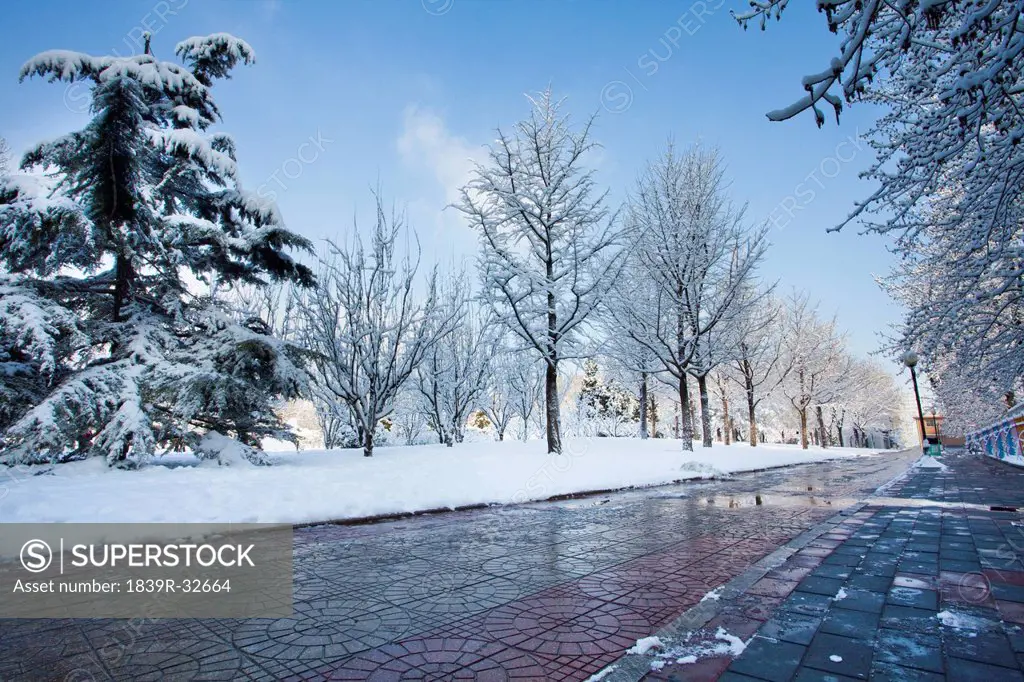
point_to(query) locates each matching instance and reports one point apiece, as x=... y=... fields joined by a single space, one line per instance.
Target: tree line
x=149 y=303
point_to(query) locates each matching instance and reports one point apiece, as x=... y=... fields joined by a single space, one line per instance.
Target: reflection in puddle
x=775 y=500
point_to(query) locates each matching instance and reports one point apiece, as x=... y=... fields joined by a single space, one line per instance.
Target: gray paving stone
x=872 y=583
x=820 y=585
x=767 y=660
x=961 y=670
x=807 y=603
x=840 y=655
x=812 y=675
x=862 y=600
x=916 y=598
x=910 y=649
x=910 y=619
x=790 y=627
x=984 y=647
x=848 y=623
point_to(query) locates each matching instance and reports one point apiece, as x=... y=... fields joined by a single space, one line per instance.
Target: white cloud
x=425 y=143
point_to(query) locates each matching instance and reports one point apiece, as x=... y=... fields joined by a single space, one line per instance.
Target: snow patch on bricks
x=713 y=595
x=686 y=652
x=645 y=645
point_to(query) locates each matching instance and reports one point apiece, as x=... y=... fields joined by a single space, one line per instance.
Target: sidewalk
x=922 y=582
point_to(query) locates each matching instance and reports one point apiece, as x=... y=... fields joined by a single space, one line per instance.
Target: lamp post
x=910 y=360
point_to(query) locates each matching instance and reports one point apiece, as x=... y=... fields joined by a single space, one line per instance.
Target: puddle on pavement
x=773 y=500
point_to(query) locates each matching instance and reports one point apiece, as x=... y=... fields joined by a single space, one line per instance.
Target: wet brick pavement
x=543 y=591
x=902 y=589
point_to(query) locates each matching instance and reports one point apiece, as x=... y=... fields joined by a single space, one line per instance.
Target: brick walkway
x=545 y=591
x=901 y=589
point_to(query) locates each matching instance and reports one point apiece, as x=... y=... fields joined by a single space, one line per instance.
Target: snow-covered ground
x=341 y=484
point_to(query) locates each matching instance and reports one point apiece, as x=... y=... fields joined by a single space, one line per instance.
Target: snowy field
x=342 y=484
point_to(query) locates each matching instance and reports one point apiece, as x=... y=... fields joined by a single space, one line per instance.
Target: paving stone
x=771 y=587
x=818 y=585
x=727 y=676
x=1002 y=592
x=1011 y=612
x=807 y=603
x=862 y=600
x=923 y=567
x=768 y=660
x=840 y=655
x=910 y=649
x=795 y=628
x=812 y=675
x=962 y=670
x=849 y=623
x=842 y=560
x=872 y=583
x=984 y=647
x=907 y=618
x=917 y=598
x=887 y=672
x=832 y=571
x=960 y=566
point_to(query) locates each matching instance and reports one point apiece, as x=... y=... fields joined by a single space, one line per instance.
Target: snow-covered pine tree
x=547 y=238
x=99 y=234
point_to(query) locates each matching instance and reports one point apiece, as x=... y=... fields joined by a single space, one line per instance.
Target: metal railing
x=1003 y=440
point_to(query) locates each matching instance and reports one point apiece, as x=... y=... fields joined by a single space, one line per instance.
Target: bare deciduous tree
x=365 y=327
x=812 y=347
x=758 y=366
x=547 y=238
x=453 y=375
x=692 y=243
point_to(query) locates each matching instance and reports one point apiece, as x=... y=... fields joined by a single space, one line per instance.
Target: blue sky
x=349 y=94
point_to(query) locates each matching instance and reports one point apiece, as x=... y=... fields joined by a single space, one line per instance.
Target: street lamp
x=935 y=426
x=910 y=360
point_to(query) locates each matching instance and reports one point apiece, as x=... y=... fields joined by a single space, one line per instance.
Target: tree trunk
x=643 y=405
x=749 y=386
x=686 y=423
x=726 y=421
x=551 y=405
x=822 y=433
x=654 y=417
x=122 y=283
x=803 y=427
x=705 y=411
x=367 y=442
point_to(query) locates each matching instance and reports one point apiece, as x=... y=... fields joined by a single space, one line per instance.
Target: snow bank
x=311 y=486
x=929 y=462
x=644 y=645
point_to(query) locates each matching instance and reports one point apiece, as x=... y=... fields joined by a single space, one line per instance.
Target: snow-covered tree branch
x=548 y=240
x=366 y=327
